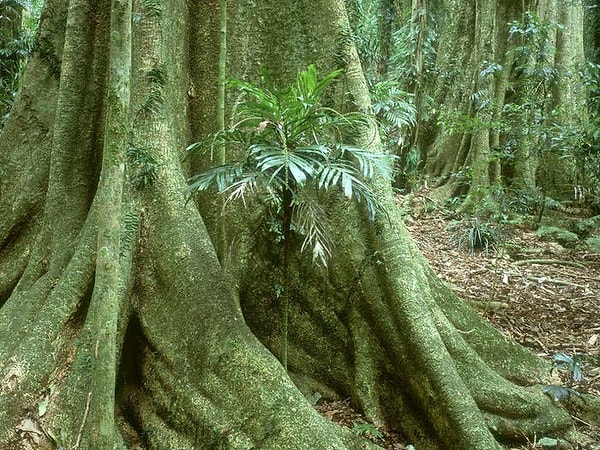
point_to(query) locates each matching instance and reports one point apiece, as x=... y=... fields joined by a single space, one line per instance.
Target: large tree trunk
x=118 y=321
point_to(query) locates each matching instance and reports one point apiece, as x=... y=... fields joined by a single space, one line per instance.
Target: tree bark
x=107 y=297
x=118 y=321
x=386 y=17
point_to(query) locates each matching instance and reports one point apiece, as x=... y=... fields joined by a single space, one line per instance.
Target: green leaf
x=363 y=428
x=347 y=184
x=43 y=406
x=297 y=172
x=577 y=373
x=562 y=358
x=548 y=442
x=329 y=176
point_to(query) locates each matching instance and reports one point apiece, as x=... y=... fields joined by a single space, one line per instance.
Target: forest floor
x=543 y=295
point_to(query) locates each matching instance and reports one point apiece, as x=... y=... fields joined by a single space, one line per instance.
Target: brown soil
x=541 y=294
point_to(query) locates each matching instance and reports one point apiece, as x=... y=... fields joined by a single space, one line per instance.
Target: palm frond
x=317 y=152
x=219 y=178
x=246 y=183
x=264 y=97
x=369 y=162
x=299 y=165
x=308 y=84
x=363 y=193
x=343 y=174
x=331 y=174
x=308 y=220
x=230 y=137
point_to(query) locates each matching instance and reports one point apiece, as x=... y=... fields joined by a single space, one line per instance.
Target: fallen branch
x=553 y=281
x=583 y=277
x=549 y=261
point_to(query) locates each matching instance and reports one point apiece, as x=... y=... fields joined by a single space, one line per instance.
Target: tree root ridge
x=417 y=354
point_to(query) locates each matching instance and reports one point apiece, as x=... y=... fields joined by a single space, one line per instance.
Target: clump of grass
x=474 y=235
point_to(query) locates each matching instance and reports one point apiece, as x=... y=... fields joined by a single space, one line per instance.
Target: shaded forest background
x=427 y=99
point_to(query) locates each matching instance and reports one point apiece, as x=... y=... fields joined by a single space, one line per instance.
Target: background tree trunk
x=192 y=336
x=10 y=34
x=481 y=88
x=386 y=17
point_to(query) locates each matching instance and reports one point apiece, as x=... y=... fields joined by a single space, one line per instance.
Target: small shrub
x=563 y=237
x=585 y=227
x=366 y=428
x=289 y=147
x=290 y=150
x=593 y=243
x=475 y=235
x=571 y=365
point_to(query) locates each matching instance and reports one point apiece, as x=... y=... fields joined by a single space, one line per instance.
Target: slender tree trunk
x=386 y=19
x=287 y=199
x=419 y=22
x=569 y=97
x=107 y=297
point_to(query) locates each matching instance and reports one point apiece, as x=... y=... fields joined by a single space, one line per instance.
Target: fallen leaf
x=29 y=426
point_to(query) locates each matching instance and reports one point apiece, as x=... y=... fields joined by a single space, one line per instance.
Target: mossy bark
x=107 y=296
x=184 y=336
